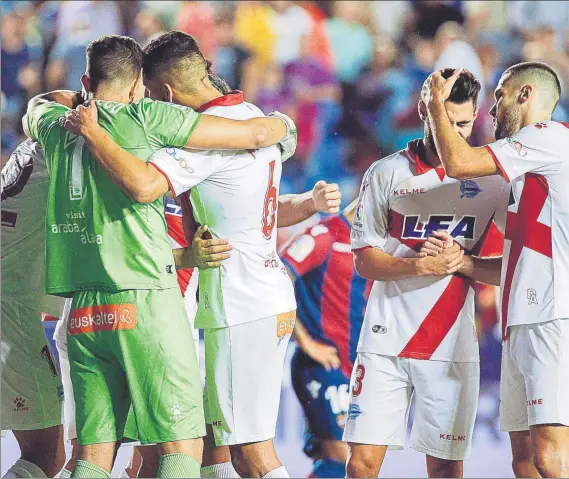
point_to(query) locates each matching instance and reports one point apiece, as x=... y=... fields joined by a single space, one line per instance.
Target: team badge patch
x=469 y=189
x=285 y=324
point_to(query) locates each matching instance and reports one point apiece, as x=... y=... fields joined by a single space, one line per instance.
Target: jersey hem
x=106 y=287
x=198 y=324
x=420 y=356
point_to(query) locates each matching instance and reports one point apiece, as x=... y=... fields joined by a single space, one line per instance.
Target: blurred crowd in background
x=348 y=72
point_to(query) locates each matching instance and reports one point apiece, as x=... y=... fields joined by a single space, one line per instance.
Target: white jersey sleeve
x=184 y=169
x=370 y=225
x=533 y=149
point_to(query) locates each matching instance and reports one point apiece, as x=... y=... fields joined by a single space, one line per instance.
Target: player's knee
x=547 y=461
x=240 y=462
x=362 y=463
x=443 y=467
x=523 y=467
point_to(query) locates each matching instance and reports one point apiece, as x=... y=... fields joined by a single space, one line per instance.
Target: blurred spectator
x=308 y=83
x=198 y=19
x=320 y=43
x=382 y=93
x=271 y=95
x=428 y=15
x=390 y=17
x=78 y=24
x=149 y=25
x=528 y=17
x=456 y=52
x=20 y=73
x=290 y=24
x=352 y=43
x=231 y=61
x=254 y=30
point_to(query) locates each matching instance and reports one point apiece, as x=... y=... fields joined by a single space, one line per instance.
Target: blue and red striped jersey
x=331 y=297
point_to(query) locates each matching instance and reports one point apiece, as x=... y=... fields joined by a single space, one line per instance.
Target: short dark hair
x=113 y=59
x=175 y=57
x=540 y=73
x=466 y=88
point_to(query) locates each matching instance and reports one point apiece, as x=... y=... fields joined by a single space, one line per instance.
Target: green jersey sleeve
x=168 y=124
x=43 y=120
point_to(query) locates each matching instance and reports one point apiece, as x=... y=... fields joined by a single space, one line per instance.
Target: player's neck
x=197 y=99
x=430 y=157
x=109 y=95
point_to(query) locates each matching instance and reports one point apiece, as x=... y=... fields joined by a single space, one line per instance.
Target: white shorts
x=31 y=383
x=60 y=337
x=446 y=400
x=244 y=370
x=534 y=387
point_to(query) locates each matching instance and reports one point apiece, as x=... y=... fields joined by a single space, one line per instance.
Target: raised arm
x=461 y=161
x=294 y=209
x=215 y=133
x=68 y=98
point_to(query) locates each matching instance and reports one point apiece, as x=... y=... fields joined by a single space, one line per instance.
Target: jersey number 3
x=270 y=206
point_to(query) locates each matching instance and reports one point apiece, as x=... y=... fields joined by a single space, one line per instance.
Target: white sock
x=223 y=470
x=64 y=473
x=279 y=472
x=24 y=469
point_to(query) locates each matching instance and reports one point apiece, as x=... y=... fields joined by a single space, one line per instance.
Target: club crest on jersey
x=463 y=228
x=469 y=189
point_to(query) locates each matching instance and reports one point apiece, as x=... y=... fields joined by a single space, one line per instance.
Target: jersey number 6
x=271 y=204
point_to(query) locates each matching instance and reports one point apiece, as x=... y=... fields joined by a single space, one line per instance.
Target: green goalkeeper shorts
x=134 y=347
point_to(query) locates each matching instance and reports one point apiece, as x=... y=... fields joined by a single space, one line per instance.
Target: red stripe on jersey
x=439 y=321
x=176 y=232
x=396 y=230
x=170 y=187
x=523 y=229
x=498 y=164
x=565 y=124
x=335 y=312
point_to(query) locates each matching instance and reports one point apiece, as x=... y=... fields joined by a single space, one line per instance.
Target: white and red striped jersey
x=235 y=193
x=402 y=201
x=535 y=270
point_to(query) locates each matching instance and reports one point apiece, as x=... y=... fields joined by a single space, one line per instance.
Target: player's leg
x=100 y=388
x=380 y=396
x=551 y=449
x=157 y=354
x=446 y=400
x=324 y=397
x=244 y=368
x=542 y=352
x=31 y=391
x=216 y=459
x=513 y=413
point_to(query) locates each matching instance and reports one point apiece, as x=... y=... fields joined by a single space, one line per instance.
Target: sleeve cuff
x=185 y=131
x=498 y=164
x=170 y=185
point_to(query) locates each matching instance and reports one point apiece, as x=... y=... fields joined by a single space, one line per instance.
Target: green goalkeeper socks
x=88 y=469
x=178 y=465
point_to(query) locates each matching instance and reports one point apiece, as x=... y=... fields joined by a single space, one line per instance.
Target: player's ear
x=168 y=94
x=422 y=109
x=86 y=82
x=525 y=93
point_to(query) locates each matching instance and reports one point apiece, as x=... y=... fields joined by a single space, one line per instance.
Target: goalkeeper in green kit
x=129 y=339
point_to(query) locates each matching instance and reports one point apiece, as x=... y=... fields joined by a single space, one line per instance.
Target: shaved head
x=541 y=76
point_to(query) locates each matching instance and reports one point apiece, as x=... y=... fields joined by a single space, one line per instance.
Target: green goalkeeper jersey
x=97 y=237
